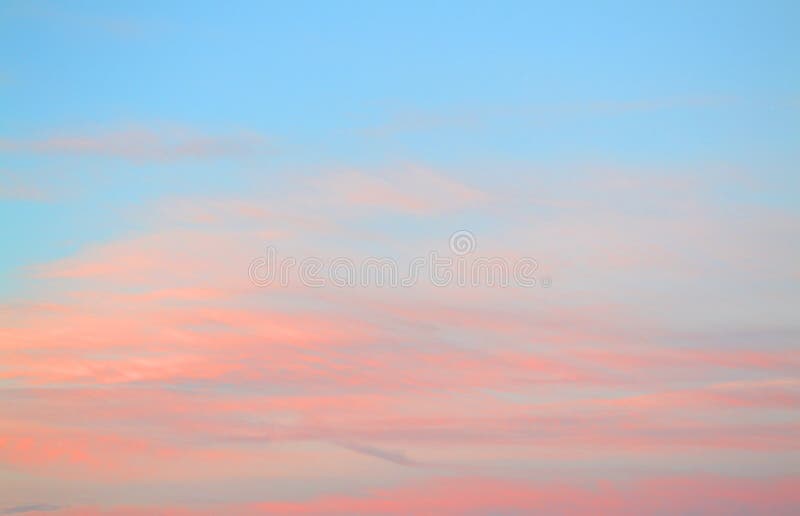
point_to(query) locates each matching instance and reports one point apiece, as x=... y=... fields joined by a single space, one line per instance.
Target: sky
x=632 y=168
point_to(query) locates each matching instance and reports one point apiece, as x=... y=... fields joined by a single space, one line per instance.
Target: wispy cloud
x=142 y=144
x=13 y=187
x=410 y=120
x=409 y=189
x=36 y=507
x=395 y=457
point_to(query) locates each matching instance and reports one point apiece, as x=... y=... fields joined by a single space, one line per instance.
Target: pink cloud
x=141 y=144
x=411 y=190
x=151 y=356
x=684 y=495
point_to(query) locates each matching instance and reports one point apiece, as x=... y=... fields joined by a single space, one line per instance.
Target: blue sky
x=366 y=83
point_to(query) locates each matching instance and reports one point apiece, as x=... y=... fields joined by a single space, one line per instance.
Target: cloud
x=13 y=187
x=689 y=494
x=412 y=190
x=37 y=507
x=141 y=144
x=153 y=357
x=394 y=457
x=482 y=118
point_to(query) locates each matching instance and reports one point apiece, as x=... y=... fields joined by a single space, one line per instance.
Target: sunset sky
x=644 y=157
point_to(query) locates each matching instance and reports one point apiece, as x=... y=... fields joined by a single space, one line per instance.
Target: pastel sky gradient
x=645 y=155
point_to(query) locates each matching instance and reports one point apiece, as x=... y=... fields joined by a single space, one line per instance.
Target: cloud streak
x=142 y=144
